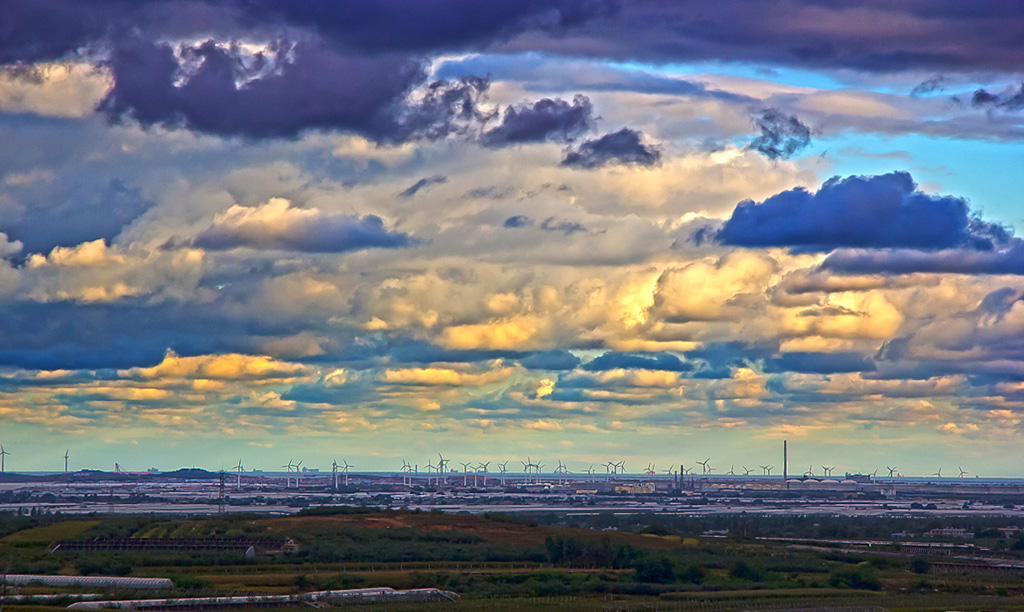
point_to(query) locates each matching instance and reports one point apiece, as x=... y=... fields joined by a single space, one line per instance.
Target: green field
x=501 y=563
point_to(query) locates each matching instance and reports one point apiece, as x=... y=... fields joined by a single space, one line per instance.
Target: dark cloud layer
x=319 y=234
x=904 y=261
x=51 y=29
x=623 y=147
x=544 y=120
x=781 y=136
x=426 y=181
x=73 y=214
x=350 y=65
x=551 y=224
x=312 y=87
x=638 y=361
x=1011 y=101
x=885 y=211
x=820 y=363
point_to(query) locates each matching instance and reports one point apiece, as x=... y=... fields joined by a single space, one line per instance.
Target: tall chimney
x=785 y=463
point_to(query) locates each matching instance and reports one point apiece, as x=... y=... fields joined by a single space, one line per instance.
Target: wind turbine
x=704 y=463
x=406 y=473
x=481 y=466
x=621 y=465
x=465 y=473
x=66 y=453
x=297 y=465
x=344 y=467
x=501 y=470
x=810 y=471
x=962 y=472
x=650 y=470
x=563 y=472
x=589 y=472
x=732 y=470
x=767 y=469
x=527 y=466
x=3 y=455
x=288 y=473
x=746 y=470
x=828 y=469
x=334 y=473
x=892 y=471
x=442 y=464
x=238 y=468
x=937 y=474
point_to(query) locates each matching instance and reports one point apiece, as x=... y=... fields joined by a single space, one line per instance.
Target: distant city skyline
x=575 y=230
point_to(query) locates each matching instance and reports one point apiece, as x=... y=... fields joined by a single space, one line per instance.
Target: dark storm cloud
x=51 y=29
x=352 y=68
x=311 y=87
x=885 y=211
x=309 y=234
x=350 y=65
x=808 y=33
x=544 y=120
x=623 y=147
x=781 y=136
x=795 y=32
x=426 y=181
x=638 y=361
x=1009 y=101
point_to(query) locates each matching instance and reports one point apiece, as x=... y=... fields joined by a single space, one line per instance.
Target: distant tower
x=785 y=463
x=220 y=496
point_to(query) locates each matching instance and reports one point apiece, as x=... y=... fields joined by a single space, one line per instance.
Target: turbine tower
x=442 y=465
x=66 y=453
x=238 y=476
x=288 y=473
x=344 y=467
x=4 y=453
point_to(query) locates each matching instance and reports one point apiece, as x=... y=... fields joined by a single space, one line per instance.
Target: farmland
x=497 y=562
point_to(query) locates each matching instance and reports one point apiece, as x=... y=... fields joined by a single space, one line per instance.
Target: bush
x=854 y=578
x=745 y=572
x=657 y=571
x=920 y=566
x=693 y=573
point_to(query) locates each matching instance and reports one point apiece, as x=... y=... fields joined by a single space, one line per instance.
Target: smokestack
x=785 y=463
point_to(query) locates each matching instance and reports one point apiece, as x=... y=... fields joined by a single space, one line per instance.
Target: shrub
x=920 y=566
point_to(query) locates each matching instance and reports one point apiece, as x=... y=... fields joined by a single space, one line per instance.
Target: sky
x=578 y=230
